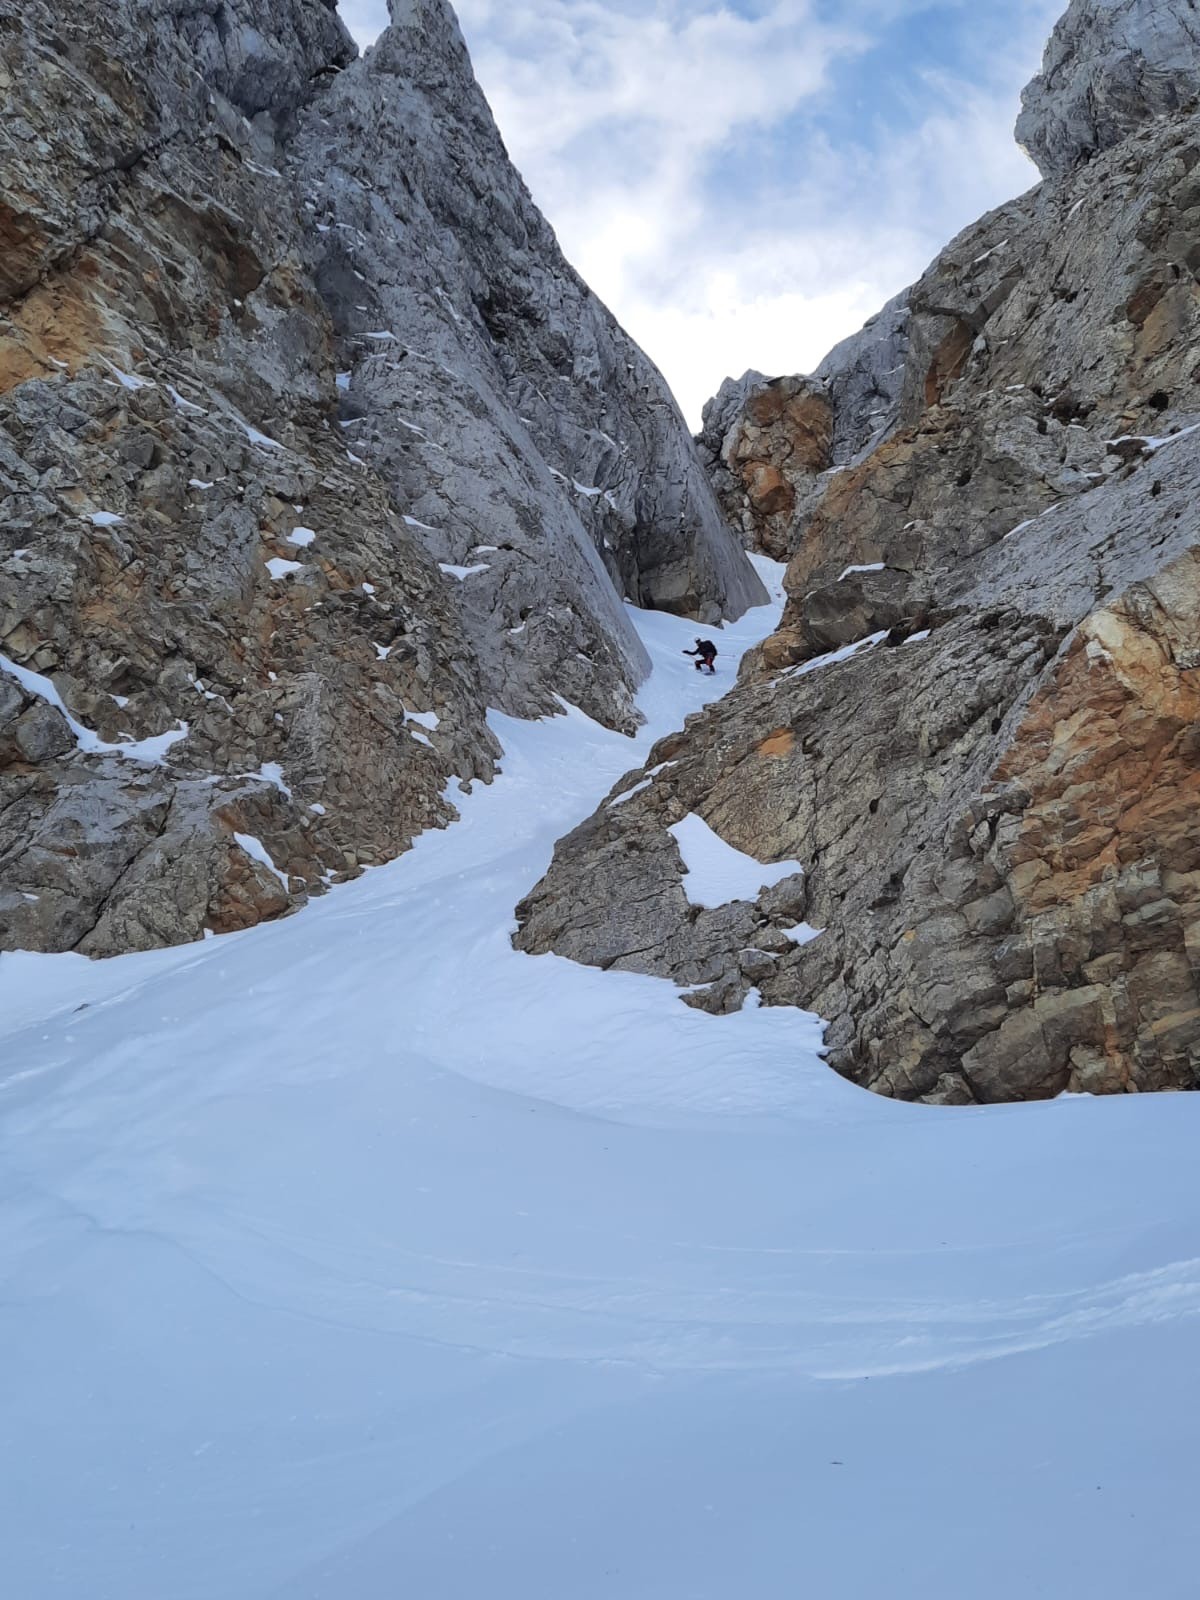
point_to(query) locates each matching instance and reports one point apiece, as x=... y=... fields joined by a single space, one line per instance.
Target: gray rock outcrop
x=312 y=447
x=768 y=443
x=864 y=377
x=976 y=725
x=1110 y=66
x=549 y=455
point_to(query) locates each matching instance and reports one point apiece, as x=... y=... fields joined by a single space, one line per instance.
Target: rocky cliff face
x=977 y=725
x=549 y=454
x=1110 y=66
x=311 y=448
x=769 y=443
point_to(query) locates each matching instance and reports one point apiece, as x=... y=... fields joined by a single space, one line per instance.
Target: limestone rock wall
x=977 y=724
x=547 y=453
x=768 y=443
x=1021 y=298
x=1054 y=326
x=284 y=346
x=186 y=547
x=995 y=814
x=1110 y=66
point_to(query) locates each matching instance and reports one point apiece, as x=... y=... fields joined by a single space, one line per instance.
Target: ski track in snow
x=357 y=1256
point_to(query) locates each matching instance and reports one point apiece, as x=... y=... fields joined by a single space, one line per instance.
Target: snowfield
x=357 y=1257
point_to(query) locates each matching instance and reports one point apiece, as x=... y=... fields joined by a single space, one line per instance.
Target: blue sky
x=746 y=182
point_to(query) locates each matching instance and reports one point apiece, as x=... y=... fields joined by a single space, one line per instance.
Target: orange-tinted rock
x=782 y=441
x=780 y=743
x=949 y=362
x=770 y=493
x=799 y=422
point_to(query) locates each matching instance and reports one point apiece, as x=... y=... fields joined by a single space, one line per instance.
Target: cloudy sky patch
x=745 y=183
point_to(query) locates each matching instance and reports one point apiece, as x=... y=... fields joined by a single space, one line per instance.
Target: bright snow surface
x=714 y=873
x=357 y=1257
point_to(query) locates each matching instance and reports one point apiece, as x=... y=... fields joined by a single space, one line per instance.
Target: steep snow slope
x=359 y=1256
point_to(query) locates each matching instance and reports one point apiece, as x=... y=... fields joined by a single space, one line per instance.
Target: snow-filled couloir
x=358 y=1255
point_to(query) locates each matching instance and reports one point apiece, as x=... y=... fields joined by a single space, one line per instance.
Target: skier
x=706 y=654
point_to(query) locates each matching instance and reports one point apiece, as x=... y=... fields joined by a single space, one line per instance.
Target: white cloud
x=676 y=147
x=615 y=116
x=646 y=136
x=366 y=19
x=684 y=74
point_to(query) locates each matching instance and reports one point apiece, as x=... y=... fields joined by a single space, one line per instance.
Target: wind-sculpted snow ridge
x=253 y=286
x=358 y=1255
